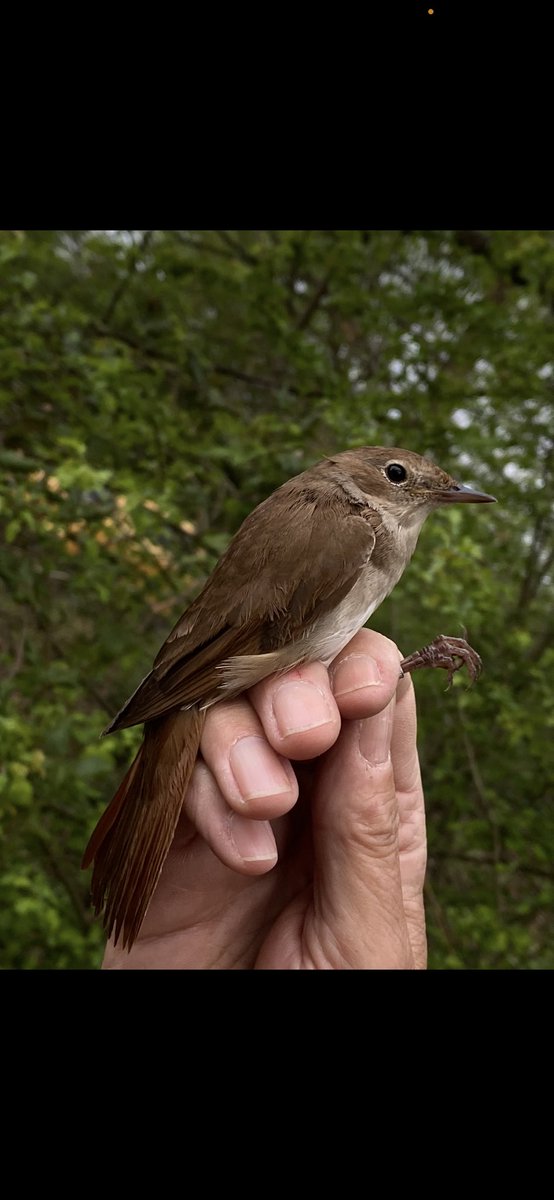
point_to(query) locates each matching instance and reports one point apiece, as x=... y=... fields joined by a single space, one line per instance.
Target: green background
x=154 y=387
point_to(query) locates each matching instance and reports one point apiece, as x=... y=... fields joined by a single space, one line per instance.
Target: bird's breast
x=394 y=545
x=333 y=631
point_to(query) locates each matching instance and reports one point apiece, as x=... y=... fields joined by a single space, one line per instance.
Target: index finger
x=301 y=711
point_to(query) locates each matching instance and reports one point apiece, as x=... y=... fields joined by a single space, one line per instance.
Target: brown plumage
x=130 y=843
x=304 y=572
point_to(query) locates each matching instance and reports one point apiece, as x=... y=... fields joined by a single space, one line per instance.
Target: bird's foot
x=450 y=653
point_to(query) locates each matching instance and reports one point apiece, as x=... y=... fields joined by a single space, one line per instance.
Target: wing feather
x=310 y=547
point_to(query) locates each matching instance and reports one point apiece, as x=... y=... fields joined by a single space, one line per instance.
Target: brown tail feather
x=109 y=815
x=131 y=841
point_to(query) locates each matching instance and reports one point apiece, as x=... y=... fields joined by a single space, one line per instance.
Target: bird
x=304 y=572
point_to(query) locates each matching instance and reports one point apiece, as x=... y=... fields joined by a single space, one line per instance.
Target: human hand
x=320 y=867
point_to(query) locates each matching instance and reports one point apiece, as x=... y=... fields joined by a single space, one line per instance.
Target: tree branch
x=541 y=643
x=124 y=283
x=198 y=244
x=256 y=381
x=237 y=248
x=314 y=304
x=474 y=240
x=535 y=570
x=145 y=353
x=219 y=368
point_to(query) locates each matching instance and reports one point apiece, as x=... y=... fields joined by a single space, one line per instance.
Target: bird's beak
x=460 y=494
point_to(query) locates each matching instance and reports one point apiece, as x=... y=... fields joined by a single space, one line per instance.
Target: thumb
x=357 y=883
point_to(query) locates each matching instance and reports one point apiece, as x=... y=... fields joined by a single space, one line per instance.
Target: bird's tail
x=131 y=841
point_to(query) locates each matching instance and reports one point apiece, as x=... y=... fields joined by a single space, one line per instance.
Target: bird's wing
x=309 y=551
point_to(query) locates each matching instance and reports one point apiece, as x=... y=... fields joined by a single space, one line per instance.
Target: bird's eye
x=395 y=472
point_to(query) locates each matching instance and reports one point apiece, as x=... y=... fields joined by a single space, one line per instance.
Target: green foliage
x=154 y=387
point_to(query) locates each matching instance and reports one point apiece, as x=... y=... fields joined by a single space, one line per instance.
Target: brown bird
x=303 y=574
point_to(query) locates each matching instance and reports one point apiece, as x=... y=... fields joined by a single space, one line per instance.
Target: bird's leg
x=450 y=653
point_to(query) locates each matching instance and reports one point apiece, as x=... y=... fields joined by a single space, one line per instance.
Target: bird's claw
x=449 y=653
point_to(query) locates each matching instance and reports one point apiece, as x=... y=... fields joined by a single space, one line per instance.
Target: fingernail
x=353 y=673
x=375 y=736
x=256 y=769
x=253 y=840
x=299 y=706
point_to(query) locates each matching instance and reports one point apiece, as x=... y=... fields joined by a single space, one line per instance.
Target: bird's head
x=404 y=484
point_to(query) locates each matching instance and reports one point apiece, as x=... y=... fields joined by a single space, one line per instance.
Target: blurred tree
x=154 y=387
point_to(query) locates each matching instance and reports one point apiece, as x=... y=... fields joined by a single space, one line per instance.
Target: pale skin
x=316 y=868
